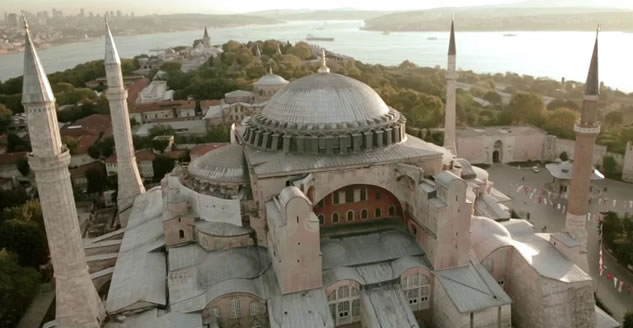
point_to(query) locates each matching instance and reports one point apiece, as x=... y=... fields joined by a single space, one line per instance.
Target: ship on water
x=311 y=37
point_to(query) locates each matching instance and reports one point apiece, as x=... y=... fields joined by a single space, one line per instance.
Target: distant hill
x=329 y=14
x=505 y=19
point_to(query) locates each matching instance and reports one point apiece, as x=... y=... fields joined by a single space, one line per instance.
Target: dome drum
x=327 y=142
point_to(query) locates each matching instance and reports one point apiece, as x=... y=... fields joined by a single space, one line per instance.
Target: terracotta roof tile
x=134 y=90
x=11 y=158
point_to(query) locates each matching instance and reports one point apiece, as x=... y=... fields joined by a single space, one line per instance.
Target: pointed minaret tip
x=451 y=43
x=111 y=53
x=592 y=86
x=206 y=34
x=270 y=70
x=35 y=85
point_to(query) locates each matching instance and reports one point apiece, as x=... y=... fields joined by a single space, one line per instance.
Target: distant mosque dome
x=271 y=80
x=325 y=113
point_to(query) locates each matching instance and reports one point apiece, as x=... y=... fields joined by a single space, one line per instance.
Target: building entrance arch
x=497 y=154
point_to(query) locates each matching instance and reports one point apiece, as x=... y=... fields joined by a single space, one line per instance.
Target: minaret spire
x=587 y=130
x=451 y=85
x=323 y=68
x=592 y=86
x=206 y=40
x=129 y=180
x=77 y=303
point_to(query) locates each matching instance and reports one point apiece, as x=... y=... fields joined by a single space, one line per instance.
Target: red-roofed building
x=8 y=164
x=200 y=150
x=87 y=131
x=134 y=90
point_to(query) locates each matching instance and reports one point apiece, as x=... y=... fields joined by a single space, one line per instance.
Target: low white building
x=164 y=110
x=156 y=91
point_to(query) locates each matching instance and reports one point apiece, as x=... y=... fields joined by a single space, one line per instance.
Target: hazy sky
x=223 y=6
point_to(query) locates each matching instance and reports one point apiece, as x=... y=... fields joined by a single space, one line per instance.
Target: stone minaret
x=206 y=40
x=129 y=179
x=77 y=302
x=587 y=130
x=451 y=84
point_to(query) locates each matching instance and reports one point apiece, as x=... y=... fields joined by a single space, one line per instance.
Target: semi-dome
x=225 y=164
x=325 y=113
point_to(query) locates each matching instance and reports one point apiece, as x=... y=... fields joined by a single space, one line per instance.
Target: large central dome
x=325 y=113
x=325 y=99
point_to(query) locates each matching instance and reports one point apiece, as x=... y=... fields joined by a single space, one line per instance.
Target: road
x=507 y=178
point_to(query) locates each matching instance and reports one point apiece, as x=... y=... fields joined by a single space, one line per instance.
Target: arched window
x=321 y=219
x=343 y=292
x=256 y=324
x=417 y=290
x=392 y=210
x=350 y=216
x=254 y=308
x=364 y=214
x=181 y=233
x=334 y=217
x=378 y=213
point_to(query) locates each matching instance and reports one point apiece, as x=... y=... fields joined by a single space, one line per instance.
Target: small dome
x=225 y=164
x=325 y=99
x=271 y=80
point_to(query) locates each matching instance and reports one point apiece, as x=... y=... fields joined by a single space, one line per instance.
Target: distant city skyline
x=73 y=7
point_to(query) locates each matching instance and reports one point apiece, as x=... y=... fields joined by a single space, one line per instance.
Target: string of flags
x=559 y=202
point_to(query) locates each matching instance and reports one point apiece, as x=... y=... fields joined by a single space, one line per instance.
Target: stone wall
x=445 y=314
x=212 y=243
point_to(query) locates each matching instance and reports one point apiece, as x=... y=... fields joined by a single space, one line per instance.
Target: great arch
x=357 y=203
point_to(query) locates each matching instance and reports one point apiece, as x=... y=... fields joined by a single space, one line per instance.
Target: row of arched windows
x=350 y=215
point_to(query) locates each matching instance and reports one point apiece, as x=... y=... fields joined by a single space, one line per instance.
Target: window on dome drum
x=253 y=308
x=321 y=219
x=235 y=308
x=363 y=214
x=345 y=306
x=392 y=210
x=181 y=234
x=350 y=216
x=378 y=213
x=335 y=217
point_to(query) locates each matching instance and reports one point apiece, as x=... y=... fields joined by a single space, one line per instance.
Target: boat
x=509 y=34
x=431 y=38
x=385 y=33
x=311 y=37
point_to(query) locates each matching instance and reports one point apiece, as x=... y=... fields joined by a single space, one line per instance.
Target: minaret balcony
x=593 y=128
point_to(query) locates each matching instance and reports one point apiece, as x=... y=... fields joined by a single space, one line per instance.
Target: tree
x=5 y=118
x=526 y=108
x=161 y=130
x=97 y=180
x=610 y=167
x=94 y=152
x=18 y=287
x=12 y=198
x=614 y=118
x=628 y=320
x=560 y=122
x=563 y=156
x=170 y=66
x=71 y=143
x=16 y=144
x=159 y=145
x=162 y=165
x=23 y=166
x=493 y=98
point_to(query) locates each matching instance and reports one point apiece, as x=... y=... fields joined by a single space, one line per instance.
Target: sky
x=143 y=7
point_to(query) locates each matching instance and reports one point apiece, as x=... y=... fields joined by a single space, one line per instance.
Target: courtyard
x=550 y=218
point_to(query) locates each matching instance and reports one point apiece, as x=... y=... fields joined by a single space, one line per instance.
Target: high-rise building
x=12 y=20
x=451 y=84
x=587 y=130
x=129 y=179
x=77 y=303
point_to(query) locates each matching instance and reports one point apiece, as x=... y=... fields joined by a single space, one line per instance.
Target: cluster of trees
x=618 y=237
x=23 y=248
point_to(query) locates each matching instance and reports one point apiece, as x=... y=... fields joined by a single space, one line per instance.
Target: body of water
x=541 y=54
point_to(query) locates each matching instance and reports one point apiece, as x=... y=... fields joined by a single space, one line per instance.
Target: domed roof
x=271 y=79
x=325 y=113
x=325 y=98
x=225 y=164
